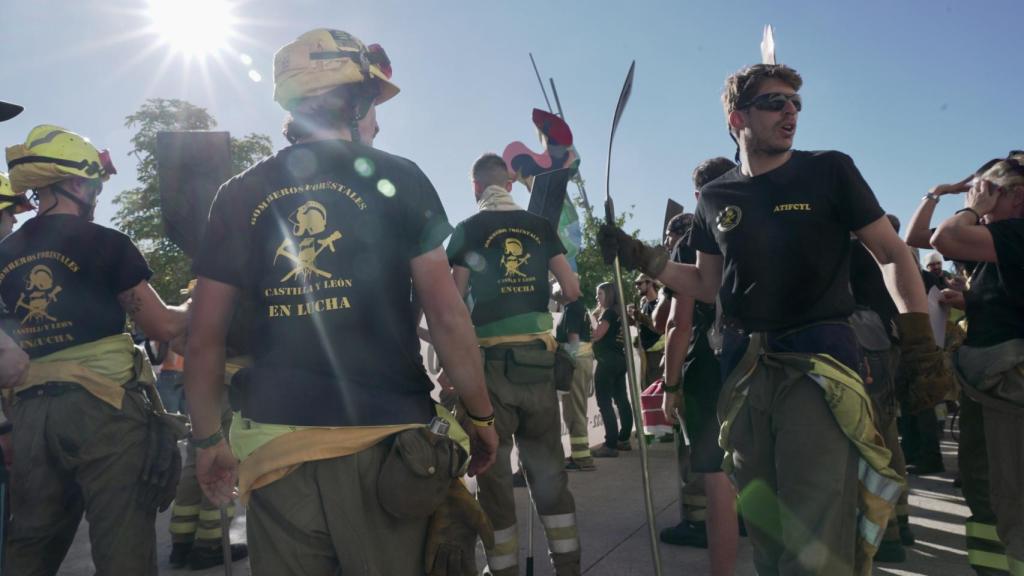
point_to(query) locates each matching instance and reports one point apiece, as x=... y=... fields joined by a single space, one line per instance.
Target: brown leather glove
x=925 y=373
x=452 y=534
x=162 y=467
x=633 y=254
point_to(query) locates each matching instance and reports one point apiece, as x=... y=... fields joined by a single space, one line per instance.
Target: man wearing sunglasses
x=772 y=240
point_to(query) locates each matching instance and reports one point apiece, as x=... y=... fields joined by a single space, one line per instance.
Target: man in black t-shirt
x=328 y=239
x=989 y=230
x=643 y=318
x=502 y=256
x=573 y=332
x=13 y=360
x=772 y=237
x=85 y=411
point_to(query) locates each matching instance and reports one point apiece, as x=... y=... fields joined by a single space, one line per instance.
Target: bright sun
x=193 y=27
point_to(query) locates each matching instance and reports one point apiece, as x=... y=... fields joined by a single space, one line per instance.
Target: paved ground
x=614 y=534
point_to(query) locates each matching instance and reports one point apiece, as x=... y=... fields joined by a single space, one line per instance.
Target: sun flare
x=193 y=27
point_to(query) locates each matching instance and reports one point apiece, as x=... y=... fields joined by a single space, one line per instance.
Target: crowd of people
x=793 y=335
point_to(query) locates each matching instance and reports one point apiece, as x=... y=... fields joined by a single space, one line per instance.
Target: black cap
x=8 y=110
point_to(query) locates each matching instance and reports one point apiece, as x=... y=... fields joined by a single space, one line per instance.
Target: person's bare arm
x=461 y=276
x=677 y=344
x=452 y=333
x=14 y=362
x=700 y=281
x=567 y=280
x=960 y=237
x=902 y=277
x=213 y=305
x=662 y=312
x=919 y=231
x=148 y=311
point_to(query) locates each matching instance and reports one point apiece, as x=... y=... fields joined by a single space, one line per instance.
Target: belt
x=48 y=389
x=500 y=352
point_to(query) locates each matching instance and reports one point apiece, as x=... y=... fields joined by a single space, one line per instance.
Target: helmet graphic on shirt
x=40 y=292
x=728 y=218
x=514 y=256
x=309 y=221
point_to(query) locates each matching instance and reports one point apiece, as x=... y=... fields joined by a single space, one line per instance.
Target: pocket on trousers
x=415 y=475
x=529 y=366
x=565 y=368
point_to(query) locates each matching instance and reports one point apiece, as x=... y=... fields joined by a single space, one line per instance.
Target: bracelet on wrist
x=480 y=422
x=672 y=389
x=931 y=196
x=977 y=217
x=208 y=442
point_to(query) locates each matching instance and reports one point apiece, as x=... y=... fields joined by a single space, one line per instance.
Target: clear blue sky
x=917 y=92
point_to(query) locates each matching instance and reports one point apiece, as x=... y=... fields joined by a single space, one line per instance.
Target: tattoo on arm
x=130 y=302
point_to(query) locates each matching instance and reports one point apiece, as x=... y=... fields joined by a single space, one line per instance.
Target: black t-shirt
x=995 y=292
x=507 y=255
x=703 y=312
x=573 y=321
x=60 y=276
x=869 y=286
x=785 y=238
x=320 y=236
x=610 y=346
x=648 y=337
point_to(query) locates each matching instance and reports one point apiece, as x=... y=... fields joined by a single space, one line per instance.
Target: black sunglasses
x=773 y=102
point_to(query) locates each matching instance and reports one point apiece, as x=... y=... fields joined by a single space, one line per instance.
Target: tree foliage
x=589 y=264
x=138 y=209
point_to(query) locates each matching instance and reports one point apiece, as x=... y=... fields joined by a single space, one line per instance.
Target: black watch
x=208 y=442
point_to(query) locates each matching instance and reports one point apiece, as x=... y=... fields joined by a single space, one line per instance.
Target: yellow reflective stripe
x=580 y=454
x=695 y=500
x=566 y=533
x=579 y=439
x=501 y=562
x=1016 y=566
x=558 y=520
x=184 y=510
x=988 y=560
x=214 y=515
x=208 y=533
x=885 y=488
x=506 y=534
x=183 y=527
x=982 y=532
x=563 y=545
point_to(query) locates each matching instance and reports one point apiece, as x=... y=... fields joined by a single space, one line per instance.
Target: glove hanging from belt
x=926 y=378
x=633 y=254
x=452 y=534
x=162 y=467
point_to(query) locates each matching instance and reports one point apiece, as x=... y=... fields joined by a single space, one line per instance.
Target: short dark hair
x=742 y=85
x=680 y=224
x=711 y=169
x=490 y=170
x=894 y=221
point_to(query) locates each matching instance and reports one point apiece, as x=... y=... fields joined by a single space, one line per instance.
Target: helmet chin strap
x=85 y=209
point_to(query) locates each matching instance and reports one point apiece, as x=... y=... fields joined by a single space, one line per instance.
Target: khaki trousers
x=797 y=476
x=325 y=519
x=75 y=454
x=574 y=408
x=1004 y=430
x=526 y=410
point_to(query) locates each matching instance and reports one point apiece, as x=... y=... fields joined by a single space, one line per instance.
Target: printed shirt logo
x=792 y=207
x=309 y=228
x=728 y=218
x=40 y=292
x=514 y=257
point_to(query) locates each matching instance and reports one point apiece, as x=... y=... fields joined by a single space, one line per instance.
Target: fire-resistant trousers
x=985 y=551
x=1004 y=432
x=526 y=412
x=693 y=502
x=797 y=476
x=325 y=518
x=75 y=454
x=574 y=409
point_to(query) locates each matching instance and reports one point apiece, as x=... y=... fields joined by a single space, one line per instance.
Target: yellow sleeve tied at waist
x=879 y=485
x=269 y=452
x=102 y=367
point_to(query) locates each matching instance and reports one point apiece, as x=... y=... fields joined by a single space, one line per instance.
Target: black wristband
x=208 y=442
x=972 y=211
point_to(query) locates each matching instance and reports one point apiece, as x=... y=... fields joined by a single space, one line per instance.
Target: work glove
x=161 y=469
x=633 y=254
x=452 y=534
x=926 y=376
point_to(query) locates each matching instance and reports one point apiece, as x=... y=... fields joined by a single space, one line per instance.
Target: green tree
x=138 y=208
x=589 y=264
